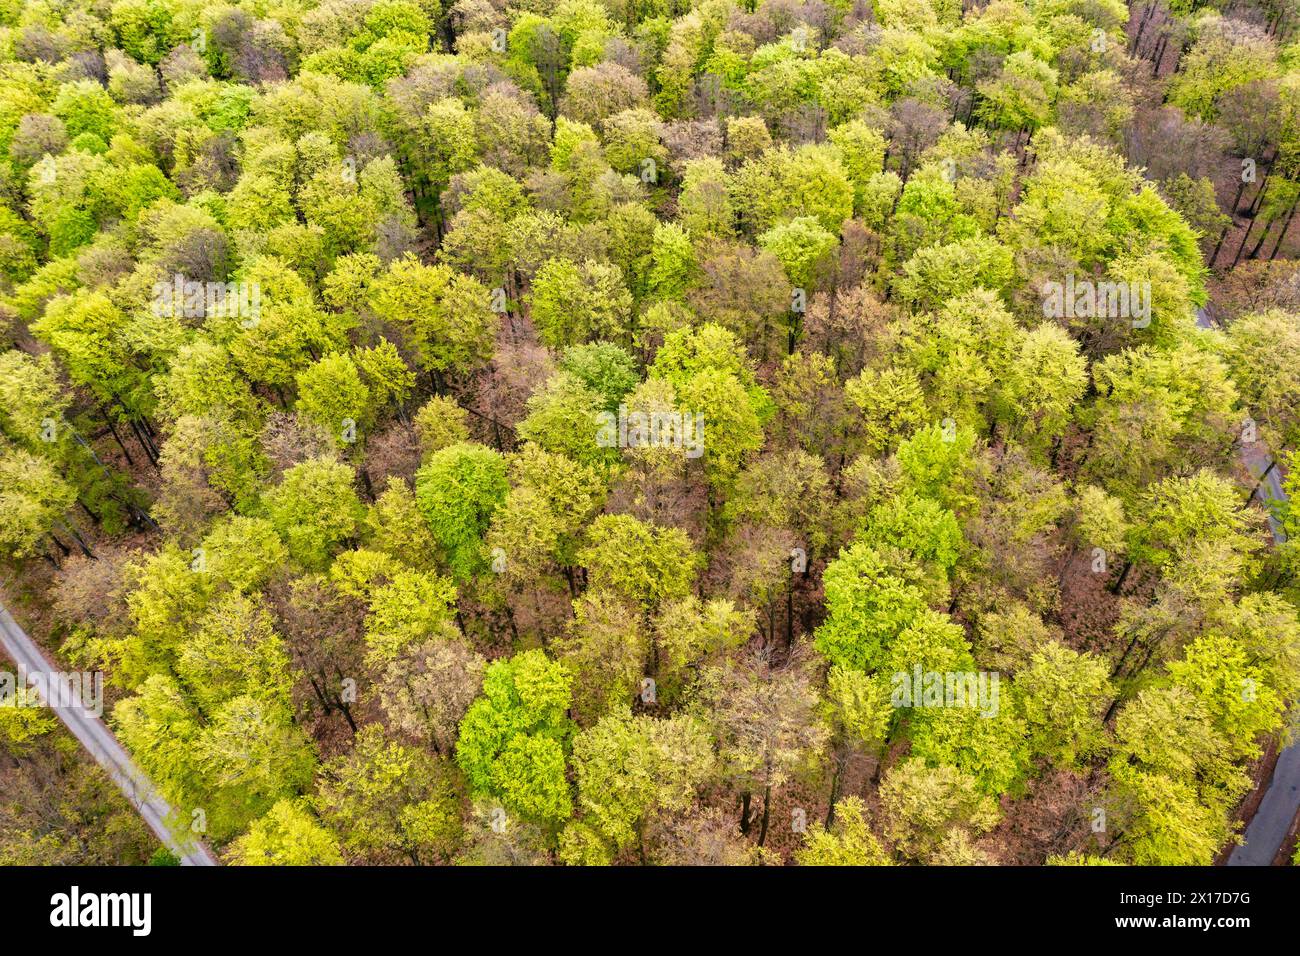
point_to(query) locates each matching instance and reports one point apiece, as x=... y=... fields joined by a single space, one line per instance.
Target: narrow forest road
x=103 y=746
x=1269 y=827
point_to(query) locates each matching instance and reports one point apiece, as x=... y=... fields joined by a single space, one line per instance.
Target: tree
x=413 y=607
x=937 y=461
x=785 y=184
x=332 y=396
x=922 y=805
x=767 y=727
x=1202 y=508
x=34 y=500
x=164 y=596
x=1157 y=408
x=630 y=769
x=440 y=423
x=891 y=403
x=1226 y=54
x=539 y=526
x=746 y=292
x=1260 y=349
x=919 y=528
x=84 y=330
x=446 y=316
x=711 y=378
x=704 y=207
x=869 y=599
x=1021 y=97
x=644 y=564
x=849 y=842
x=458 y=489
x=688 y=632
x=1174 y=778
x=575 y=303
x=1237 y=695
x=33 y=399
x=983 y=738
x=315 y=509
x=862 y=153
x=593 y=94
x=1046 y=385
x=605 y=647
x=426 y=690
x=390 y=802
x=803 y=247
x=395 y=526
x=632 y=141
x=287 y=836
x=564 y=417
x=673 y=265
x=858 y=711
x=234 y=765
x=244 y=552
x=1063 y=696
x=513 y=740
x=234 y=652
x=1168 y=825
x=604 y=368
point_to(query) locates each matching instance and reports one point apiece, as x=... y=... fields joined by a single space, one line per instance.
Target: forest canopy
x=738 y=432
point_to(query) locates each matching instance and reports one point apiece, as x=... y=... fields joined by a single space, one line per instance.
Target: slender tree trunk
x=1142 y=26
x=347 y=714
x=318 y=690
x=1214 y=256
x=1286 y=224
x=1158 y=55
x=1119 y=665
x=835 y=787
x=1236 y=200
x=880 y=764
x=1260 y=484
x=510 y=619
x=1250 y=224
x=150 y=450
x=767 y=814
x=789 y=614
x=118 y=438
x=1260 y=241
x=1263 y=188
x=1123 y=575
x=81 y=542
x=94 y=518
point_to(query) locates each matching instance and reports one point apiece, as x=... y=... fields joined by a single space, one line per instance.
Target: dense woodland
x=369 y=586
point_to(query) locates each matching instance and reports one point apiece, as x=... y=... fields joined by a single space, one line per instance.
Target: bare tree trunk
x=1123 y=575
x=767 y=814
x=1290 y=213
x=81 y=542
x=1244 y=239
x=1260 y=241
x=118 y=438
